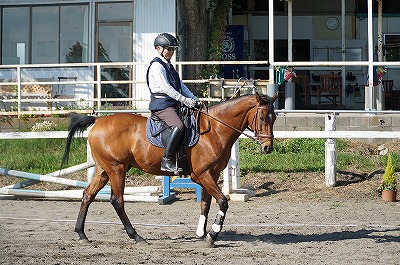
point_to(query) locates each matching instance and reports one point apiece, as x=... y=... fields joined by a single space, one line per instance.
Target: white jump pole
x=72 y=169
x=22 y=184
x=70 y=182
x=74 y=194
x=47 y=178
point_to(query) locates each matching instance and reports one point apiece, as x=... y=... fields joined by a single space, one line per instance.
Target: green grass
x=304 y=155
x=43 y=156
x=40 y=156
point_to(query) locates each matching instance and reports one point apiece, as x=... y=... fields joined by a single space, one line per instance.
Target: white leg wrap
x=200 y=227
x=216 y=227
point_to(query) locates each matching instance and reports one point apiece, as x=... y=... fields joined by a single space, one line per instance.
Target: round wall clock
x=332 y=23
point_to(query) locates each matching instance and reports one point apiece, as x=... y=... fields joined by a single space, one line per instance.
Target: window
x=45 y=21
x=114 y=44
x=51 y=34
x=257 y=6
x=74 y=34
x=15 y=38
x=388 y=6
x=114 y=11
x=392 y=47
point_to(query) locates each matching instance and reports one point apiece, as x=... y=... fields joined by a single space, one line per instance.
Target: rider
x=167 y=92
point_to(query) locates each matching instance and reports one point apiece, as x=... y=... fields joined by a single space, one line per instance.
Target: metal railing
x=96 y=69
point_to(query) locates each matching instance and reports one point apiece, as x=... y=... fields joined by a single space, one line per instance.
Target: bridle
x=260 y=134
x=257 y=134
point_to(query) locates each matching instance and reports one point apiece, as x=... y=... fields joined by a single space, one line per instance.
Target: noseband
x=260 y=134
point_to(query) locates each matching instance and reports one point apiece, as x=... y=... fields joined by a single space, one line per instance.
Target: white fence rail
x=232 y=172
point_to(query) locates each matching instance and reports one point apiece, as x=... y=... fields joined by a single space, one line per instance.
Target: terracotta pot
x=389 y=195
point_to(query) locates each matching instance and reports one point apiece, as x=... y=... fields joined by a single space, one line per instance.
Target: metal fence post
x=330 y=151
x=290 y=102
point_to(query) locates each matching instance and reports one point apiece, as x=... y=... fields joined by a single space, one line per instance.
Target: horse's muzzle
x=267 y=147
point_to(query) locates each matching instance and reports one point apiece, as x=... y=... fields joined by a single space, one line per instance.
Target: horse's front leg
x=204 y=210
x=211 y=189
x=219 y=221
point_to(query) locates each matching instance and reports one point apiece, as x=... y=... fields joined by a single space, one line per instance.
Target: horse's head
x=263 y=121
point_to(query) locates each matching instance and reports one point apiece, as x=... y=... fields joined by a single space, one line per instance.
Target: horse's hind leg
x=89 y=194
x=117 y=201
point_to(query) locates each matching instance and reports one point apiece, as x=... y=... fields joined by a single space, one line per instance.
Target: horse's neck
x=229 y=116
x=235 y=113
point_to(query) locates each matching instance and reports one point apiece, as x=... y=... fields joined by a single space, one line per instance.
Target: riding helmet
x=165 y=40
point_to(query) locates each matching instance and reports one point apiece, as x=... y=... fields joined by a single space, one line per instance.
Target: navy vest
x=173 y=79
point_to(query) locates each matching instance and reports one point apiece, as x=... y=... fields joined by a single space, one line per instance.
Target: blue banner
x=233 y=50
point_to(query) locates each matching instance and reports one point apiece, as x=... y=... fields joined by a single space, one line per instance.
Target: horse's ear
x=259 y=98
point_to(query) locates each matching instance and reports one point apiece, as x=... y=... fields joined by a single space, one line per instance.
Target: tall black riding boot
x=167 y=163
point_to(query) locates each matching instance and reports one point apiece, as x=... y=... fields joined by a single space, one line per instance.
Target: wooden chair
x=302 y=81
x=329 y=92
x=387 y=86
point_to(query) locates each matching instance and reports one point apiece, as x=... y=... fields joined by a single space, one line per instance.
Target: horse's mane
x=233 y=101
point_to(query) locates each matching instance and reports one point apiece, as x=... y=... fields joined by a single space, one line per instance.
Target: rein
x=254 y=138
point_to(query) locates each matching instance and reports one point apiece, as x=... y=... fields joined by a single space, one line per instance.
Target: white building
x=90 y=31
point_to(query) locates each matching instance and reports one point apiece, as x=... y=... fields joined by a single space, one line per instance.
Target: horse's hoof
x=209 y=241
x=83 y=241
x=141 y=240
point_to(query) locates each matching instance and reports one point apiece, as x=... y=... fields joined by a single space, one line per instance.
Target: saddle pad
x=191 y=135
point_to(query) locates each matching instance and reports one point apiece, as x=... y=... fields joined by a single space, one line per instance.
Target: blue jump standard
x=180 y=183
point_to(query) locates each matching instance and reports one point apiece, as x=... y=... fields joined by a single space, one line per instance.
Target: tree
x=205 y=31
x=196 y=29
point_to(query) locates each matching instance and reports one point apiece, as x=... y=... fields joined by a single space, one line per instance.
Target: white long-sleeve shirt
x=158 y=82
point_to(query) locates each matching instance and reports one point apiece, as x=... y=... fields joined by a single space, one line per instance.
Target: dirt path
x=264 y=230
x=295 y=219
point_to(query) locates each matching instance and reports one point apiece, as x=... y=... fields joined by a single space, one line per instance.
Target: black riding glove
x=198 y=104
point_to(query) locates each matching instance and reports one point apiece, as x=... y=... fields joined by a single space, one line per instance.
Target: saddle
x=158 y=132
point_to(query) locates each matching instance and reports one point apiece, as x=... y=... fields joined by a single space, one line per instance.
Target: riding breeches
x=170 y=116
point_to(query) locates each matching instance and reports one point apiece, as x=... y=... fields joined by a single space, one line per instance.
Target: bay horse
x=118 y=142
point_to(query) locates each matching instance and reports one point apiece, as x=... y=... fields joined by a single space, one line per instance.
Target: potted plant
x=388 y=185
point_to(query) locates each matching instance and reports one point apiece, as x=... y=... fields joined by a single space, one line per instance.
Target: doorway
x=114 y=44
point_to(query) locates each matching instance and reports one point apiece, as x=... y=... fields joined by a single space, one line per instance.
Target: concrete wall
x=344 y=122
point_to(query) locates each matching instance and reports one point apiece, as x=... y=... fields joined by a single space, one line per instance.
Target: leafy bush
x=389 y=181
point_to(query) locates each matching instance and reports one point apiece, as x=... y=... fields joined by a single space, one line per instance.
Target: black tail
x=79 y=123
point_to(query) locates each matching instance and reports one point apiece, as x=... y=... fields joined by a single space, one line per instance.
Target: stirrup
x=169 y=166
